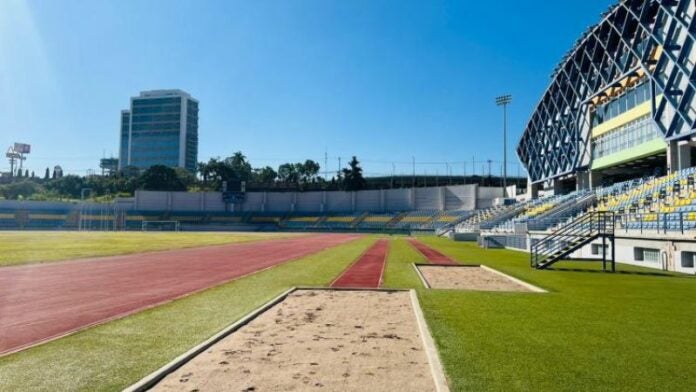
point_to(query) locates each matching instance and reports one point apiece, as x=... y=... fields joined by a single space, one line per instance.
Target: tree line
x=210 y=176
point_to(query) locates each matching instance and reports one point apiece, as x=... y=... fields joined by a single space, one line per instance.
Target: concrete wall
x=368 y=201
x=462 y=197
x=398 y=200
x=310 y=202
x=671 y=251
x=178 y=201
x=486 y=195
x=459 y=197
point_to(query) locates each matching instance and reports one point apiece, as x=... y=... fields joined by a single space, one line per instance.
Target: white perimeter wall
x=457 y=197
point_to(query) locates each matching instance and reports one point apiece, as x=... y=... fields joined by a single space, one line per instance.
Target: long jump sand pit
x=323 y=340
x=471 y=277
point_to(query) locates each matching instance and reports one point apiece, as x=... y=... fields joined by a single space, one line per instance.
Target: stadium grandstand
x=609 y=150
x=427 y=210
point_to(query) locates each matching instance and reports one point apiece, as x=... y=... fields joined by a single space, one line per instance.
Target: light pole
x=503 y=101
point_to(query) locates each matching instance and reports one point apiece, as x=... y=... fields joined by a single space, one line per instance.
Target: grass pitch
x=22 y=247
x=593 y=331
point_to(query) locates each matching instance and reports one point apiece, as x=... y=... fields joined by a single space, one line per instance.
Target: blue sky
x=285 y=80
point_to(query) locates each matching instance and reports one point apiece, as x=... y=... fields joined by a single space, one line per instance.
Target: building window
x=646 y=254
x=629 y=99
x=599 y=249
x=631 y=134
x=687 y=259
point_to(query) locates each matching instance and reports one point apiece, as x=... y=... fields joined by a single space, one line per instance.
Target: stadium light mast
x=503 y=101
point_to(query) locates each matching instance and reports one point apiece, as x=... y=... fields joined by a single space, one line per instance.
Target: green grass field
x=593 y=331
x=22 y=247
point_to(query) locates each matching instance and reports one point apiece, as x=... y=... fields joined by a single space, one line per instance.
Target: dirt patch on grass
x=468 y=278
x=317 y=340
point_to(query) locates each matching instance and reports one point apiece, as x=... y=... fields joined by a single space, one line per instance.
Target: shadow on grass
x=599 y=271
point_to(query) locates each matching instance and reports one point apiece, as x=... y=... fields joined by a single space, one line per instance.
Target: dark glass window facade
x=123 y=148
x=191 y=135
x=155 y=131
x=630 y=98
x=161 y=129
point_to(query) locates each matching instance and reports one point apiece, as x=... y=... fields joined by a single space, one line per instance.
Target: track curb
x=436 y=369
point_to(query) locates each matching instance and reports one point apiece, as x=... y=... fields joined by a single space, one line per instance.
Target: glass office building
x=162 y=130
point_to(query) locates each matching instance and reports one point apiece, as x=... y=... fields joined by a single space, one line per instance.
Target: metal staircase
x=572 y=237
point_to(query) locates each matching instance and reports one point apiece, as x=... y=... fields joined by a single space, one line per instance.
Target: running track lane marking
x=42 y=302
x=367 y=271
x=433 y=256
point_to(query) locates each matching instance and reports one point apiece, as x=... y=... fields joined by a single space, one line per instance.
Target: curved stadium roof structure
x=641 y=55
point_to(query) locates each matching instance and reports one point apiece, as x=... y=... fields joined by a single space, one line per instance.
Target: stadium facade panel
x=621 y=101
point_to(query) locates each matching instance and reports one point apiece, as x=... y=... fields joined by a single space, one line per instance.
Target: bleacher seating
x=658 y=204
x=415 y=219
x=8 y=219
x=473 y=222
x=302 y=222
x=339 y=222
x=375 y=221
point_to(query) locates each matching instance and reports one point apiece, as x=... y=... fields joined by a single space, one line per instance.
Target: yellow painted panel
x=610 y=125
x=378 y=219
x=47 y=216
x=304 y=219
x=416 y=219
x=340 y=219
x=98 y=217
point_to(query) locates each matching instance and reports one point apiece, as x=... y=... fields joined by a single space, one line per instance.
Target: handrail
x=564 y=239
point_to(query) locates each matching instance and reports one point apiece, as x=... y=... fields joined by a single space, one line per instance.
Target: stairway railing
x=570 y=237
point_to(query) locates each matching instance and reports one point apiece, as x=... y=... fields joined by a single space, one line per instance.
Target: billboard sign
x=21 y=148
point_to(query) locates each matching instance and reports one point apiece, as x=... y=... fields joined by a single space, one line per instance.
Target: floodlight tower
x=13 y=157
x=503 y=101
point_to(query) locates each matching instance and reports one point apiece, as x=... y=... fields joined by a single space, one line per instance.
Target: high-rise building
x=161 y=128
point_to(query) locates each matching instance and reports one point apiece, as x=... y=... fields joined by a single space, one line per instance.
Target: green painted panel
x=639 y=151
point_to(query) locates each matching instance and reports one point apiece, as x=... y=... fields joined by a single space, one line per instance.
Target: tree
x=264 y=175
x=32 y=174
x=185 y=177
x=308 y=170
x=353 y=179
x=215 y=172
x=67 y=186
x=19 y=189
x=287 y=173
x=161 y=178
x=26 y=173
x=240 y=167
x=47 y=175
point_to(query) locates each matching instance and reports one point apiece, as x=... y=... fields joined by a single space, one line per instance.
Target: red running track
x=44 y=301
x=432 y=255
x=367 y=271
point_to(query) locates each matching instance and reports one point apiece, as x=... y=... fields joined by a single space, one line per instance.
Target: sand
x=317 y=340
x=468 y=278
